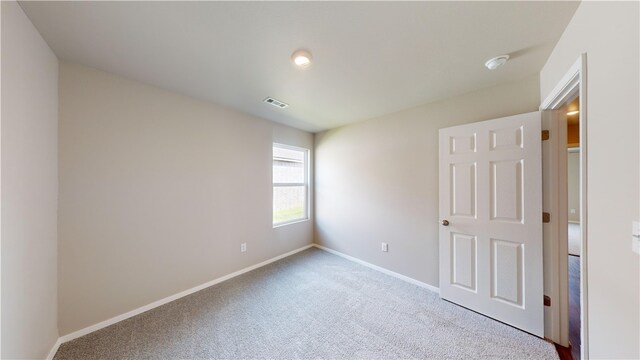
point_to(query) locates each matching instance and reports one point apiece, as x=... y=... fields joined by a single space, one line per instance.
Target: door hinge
x=545 y=135
x=546 y=217
x=547 y=300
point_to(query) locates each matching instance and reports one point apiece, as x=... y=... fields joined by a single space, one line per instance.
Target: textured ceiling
x=370 y=58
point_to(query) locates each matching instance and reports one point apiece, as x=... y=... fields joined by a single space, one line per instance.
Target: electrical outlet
x=243 y=247
x=573 y=211
x=385 y=247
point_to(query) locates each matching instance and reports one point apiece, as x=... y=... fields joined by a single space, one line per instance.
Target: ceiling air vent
x=276 y=103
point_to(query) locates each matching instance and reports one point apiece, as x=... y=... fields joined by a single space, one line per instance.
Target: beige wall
x=29 y=189
x=573 y=185
x=609 y=33
x=377 y=181
x=157 y=191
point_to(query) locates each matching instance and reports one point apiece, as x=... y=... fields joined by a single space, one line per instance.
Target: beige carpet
x=310 y=305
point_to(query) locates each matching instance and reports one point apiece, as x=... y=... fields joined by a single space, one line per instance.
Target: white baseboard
x=381 y=269
x=155 y=304
x=54 y=349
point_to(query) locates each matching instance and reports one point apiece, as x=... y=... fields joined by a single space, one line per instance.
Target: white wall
x=609 y=33
x=29 y=189
x=157 y=191
x=377 y=181
x=573 y=185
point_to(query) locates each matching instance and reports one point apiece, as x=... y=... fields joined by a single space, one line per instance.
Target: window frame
x=305 y=184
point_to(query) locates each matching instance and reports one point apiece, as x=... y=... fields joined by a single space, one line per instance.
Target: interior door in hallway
x=491 y=213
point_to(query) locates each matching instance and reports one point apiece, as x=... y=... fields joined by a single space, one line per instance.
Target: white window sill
x=290 y=223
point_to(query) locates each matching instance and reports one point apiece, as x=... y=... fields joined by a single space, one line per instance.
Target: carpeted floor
x=310 y=305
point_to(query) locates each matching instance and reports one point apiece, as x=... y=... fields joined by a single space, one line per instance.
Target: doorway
x=566 y=320
x=574 y=237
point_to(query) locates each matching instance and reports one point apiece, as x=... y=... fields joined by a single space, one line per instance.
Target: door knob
x=445 y=222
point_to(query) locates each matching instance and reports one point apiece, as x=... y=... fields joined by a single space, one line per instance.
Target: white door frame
x=574 y=83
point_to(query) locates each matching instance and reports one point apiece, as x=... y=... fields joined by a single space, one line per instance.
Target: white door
x=491 y=213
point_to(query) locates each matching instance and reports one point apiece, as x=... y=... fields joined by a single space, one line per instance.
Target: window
x=290 y=184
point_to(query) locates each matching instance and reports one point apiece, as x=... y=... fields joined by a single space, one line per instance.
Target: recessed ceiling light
x=572 y=112
x=302 y=58
x=496 y=62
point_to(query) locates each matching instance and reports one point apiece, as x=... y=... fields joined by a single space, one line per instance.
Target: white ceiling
x=370 y=58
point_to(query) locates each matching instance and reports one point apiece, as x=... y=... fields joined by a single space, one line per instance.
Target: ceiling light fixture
x=302 y=58
x=496 y=62
x=572 y=112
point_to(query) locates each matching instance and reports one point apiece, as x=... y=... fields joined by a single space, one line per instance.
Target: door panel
x=463 y=260
x=491 y=194
x=506 y=139
x=507 y=283
x=506 y=190
x=463 y=189
x=462 y=144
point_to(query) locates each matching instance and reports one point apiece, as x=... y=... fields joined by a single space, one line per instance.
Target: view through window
x=290 y=184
